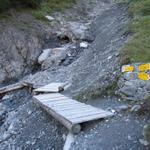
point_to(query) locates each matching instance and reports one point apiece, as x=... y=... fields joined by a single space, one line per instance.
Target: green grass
x=38 y=8
x=50 y=6
x=138 y=48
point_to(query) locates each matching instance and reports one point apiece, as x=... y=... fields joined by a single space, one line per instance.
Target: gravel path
x=122 y=132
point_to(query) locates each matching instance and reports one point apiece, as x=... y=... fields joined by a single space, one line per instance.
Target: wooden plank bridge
x=67 y=111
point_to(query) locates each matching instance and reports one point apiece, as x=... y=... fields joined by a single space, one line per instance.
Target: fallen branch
x=14 y=87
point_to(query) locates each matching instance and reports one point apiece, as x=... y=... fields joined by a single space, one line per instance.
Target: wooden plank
x=89 y=118
x=86 y=114
x=14 y=87
x=74 y=128
x=69 y=108
x=52 y=87
x=48 y=98
x=58 y=99
x=68 y=111
x=82 y=112
x=64 y=106
x=55 y=100
x=60 y=102
x=78 y=109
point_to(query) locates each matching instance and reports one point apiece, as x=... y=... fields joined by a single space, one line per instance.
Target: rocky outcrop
x=22 y=39
x=133 y=88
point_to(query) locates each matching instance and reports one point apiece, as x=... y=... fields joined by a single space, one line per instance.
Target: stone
x=78 y=30
x=22 y=40
x=122 y=108
x=144 y=142
x=50 y=18
x=83 y=44
x=135 y=108
x=128 y=90
x=110 y=57
x=45 y=54
x=132 y=88
x=56 y=56
x=7 y=97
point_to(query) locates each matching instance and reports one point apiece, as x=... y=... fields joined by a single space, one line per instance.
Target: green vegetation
x=49 y=6
x=138 y=48
x=39 y=8
x=7 y=4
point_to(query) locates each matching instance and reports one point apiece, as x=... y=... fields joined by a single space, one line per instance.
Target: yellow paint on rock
x=144 y=67
x=143 y=76
x=127 y=68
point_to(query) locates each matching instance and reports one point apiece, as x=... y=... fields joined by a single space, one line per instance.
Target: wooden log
x=50 y=88
x=74 y=128
x=11 y=87
x=14 y=87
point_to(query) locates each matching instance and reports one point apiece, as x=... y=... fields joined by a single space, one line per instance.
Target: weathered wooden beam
x=50 y=88
x=11 y=87
x=15 y=86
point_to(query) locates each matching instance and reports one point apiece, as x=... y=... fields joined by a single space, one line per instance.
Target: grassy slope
x=138 y=48
x=46 y=7
x=50 y=6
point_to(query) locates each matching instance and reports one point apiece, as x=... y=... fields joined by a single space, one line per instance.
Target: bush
x=7 y=4
x=4 y=5
x=26 y=3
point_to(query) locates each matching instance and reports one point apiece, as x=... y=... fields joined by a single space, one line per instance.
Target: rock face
x=132 y=88
x=22 y=39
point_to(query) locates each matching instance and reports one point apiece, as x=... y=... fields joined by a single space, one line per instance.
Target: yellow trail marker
x=143 y=76
x=127 y=68
x=144 y=67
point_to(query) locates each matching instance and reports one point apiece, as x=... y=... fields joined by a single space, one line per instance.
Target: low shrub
x=7 y=4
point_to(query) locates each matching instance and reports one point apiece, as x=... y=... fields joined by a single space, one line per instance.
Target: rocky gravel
x=25 y=126
x=121 y=132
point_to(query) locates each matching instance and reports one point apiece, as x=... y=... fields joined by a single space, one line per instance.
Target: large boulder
x=131 y=87
x=54 y=57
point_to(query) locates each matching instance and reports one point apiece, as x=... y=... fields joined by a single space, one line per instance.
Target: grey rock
x=56 y=56
x=143 y=142
x=135 y=108
x=128 y=90
x=122 y=108
x=132 y=88
x=83 y=44
x=7 y=97
x=45 y=54
x=50 y=18
x=21 y=45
